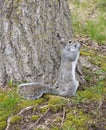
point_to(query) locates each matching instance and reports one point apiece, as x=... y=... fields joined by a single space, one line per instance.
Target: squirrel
x=66 y=84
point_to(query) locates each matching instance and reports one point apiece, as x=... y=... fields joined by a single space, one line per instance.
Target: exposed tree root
x=40 y=118
x=64 y=113
x=19 y=114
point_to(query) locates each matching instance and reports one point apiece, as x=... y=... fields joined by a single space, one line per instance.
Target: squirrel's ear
x=62 y=40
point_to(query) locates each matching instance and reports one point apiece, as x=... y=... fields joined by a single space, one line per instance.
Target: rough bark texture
x=29 y=47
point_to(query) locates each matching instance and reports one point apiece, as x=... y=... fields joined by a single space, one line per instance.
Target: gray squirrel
x=66 y=84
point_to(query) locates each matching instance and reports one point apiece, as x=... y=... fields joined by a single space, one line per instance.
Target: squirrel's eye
x=70 y=41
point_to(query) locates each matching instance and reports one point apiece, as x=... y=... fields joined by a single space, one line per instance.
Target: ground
x=86 y=111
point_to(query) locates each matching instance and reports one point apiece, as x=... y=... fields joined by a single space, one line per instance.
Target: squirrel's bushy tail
x=35 y=90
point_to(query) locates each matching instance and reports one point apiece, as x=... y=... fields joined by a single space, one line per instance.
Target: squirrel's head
x=70 y=50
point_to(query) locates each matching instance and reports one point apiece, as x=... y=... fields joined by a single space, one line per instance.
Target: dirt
x=47 y=120
x=44 y=122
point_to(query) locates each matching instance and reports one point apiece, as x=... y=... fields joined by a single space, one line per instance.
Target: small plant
x=35 y=117
x=76 y=119
x=15 y=119
x=11 y=83
x=43 y=109
x=2 y=125
x=56 y=103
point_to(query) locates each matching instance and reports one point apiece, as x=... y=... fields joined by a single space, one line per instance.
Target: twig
x=64 y=112
x=8 y=123
x=19 y=114
x=25 y=109
x=42 y=116
x=100 y=104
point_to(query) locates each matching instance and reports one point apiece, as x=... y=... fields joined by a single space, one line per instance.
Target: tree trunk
x=29 y=47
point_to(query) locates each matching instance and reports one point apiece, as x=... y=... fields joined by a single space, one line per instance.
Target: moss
x=84 y=53
x=1 y=112
x=44 y=108
x=79 y=119
x=15 y=119
x=35 y=117
x=35 y=108
x=56 y=103
x=94 y=93
x=76 y=119
x=25 y=103
x=55 y=128
x=55 y=100
x=103 y=66
x=38 y=101
x=38 y=129
x=68 y=125
x=1 y=118
x=55 y=108
x=58 y=120
x=98 y=60
x=2 y=125
x=46 y=97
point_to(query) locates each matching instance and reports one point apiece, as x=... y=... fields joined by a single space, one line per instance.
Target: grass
x=94 y=93
x=96 y=31
x=8 y=103
x=11 y=103
x=91 y=21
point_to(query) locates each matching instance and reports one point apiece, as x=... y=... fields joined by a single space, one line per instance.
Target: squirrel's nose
x=77 y=44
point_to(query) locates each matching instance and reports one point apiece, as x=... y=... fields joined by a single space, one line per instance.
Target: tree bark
x=29 y=47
